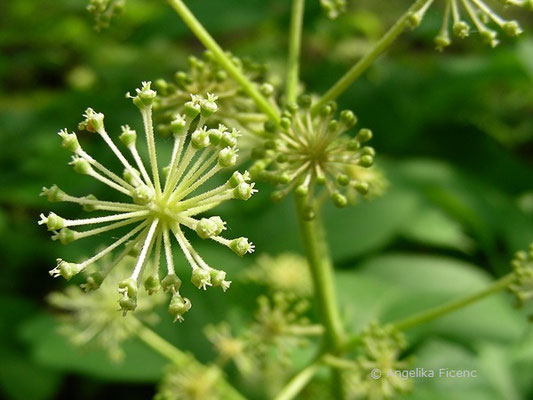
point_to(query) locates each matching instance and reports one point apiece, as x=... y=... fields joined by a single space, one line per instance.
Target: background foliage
x=454 y=134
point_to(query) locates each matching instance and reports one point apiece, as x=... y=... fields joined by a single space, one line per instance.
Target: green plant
x=302 y=148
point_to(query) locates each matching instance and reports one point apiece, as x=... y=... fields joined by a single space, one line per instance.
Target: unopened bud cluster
x=104 y=11
x=522 y=285
x=333 y=8
x=311 y=150
x=157 y=209
x=466 y=16
x=235 y=108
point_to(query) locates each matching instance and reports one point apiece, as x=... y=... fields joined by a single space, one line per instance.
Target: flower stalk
x=295 y=40
x=364 y=63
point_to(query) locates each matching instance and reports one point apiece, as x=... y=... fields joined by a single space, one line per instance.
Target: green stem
x=177 y=357
x=299 y=381
x=295 y=40
x=321 y=267
x=455 y=305
x=223 y=59
x=357 y=70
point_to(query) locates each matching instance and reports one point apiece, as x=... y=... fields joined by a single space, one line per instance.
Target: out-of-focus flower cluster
x=522 y=285
x=104 y=11
x=235 y=108
x=92 y=318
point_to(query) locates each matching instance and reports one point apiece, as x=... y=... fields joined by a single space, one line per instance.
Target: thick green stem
x=223 y=59
x=321 y=267
x=295 y=40
x=455 y=305
x=361 y=66
x=177 y=357
x=298 y=382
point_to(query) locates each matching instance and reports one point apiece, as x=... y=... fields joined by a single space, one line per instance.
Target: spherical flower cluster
x=380 y=350
x=192 y=381
x=309 y=150
x=287 y=273
x=480 y=14
x=333 y=8
x=104 y=10
x=235 y=108
x=90 y=317
x=522 y=285
x=157 y=211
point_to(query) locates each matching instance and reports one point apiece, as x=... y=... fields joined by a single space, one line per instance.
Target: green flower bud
x=89 y=207
x=200 y=139
x=152 y=284
x=65 y=236
x=270 y=127
x=209 y=227
x=512 y=28
x=69 y=141
x=93 y=121
x=342 y=180
x=237 y=178
x=441 y=42
x=145 y=96
x=489 y=37
x=142 y=195
x=227 y=157
x=215 y=135
x=285 y=123
x=192 y=109
x=353 y=145
x=171 y=283
x=178 y=125
x=65 y=269
x=244 y=191
x=339 y=200
x=229 y=138
x=127 y=304
x=461 y=29
x=277 y=196
x=128 y=136
x=93 y=282
x=304 y=101
x=364 y=135
x=362 y=187
x=208 y=106
x=366 y=161
x=348 y=118
x=413 y=20
x=201 y=278
x=241 y=246
x=309 y=213
x=53 y=221
x=302 y=190
x=53 y=194
x=266 y=89
x=128 y=287
x=179 y=306
x=218 y=278
x=81 y=166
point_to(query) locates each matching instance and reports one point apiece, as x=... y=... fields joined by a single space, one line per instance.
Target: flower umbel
x=93 y=318
x=311 y=150
x=158 y=210
x=480 y=14
x=235 y=108
x=287 y=273
x=522 y=285
x=104 y=10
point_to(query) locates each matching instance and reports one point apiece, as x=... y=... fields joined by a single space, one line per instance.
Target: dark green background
x=453 y=133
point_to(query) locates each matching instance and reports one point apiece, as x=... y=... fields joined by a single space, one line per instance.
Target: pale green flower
x=157 y=210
